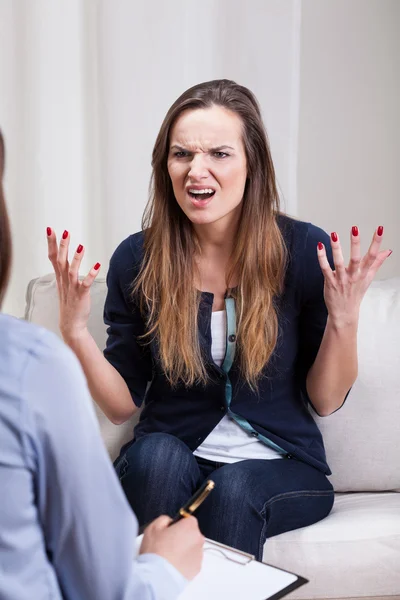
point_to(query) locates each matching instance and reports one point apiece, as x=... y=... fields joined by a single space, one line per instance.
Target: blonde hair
x=165 y=284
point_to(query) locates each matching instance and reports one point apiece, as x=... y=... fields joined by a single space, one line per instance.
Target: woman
x=66 y=530
x=231 y=313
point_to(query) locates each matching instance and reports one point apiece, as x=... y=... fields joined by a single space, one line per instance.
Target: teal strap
x=226 y=366
x=230 y=334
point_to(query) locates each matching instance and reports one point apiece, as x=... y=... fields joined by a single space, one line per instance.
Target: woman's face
x=207 y=165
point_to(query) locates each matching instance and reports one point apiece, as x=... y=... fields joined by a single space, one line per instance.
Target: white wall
x=85 y=85
x=349 y=125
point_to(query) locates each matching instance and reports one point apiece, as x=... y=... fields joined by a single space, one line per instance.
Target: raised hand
x=74 y=295
x=345 y=287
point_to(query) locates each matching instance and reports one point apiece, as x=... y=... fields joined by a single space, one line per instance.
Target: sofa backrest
x=362 y=439
x=42 y=309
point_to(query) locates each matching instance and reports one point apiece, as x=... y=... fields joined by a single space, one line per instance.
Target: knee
x=232 y=488
x=157 y=450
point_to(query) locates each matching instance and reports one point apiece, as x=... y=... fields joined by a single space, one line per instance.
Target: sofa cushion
x=42 y=306
x=42 y=309
x=358 y=544
x=362 y=438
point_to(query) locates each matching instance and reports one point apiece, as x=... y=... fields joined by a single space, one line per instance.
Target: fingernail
x=79 y=248
x=334 y=236
x=96 y=266
x=320 y=246
x=391 y=252
x=65 y=235
x=354 y=230
x=48 y=231
x=380 y=230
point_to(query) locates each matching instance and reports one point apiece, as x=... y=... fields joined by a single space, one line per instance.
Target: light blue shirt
x=66 y=529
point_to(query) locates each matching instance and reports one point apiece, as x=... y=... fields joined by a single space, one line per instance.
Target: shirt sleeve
x=124 y=349
x=89 y=528
x=313 y=314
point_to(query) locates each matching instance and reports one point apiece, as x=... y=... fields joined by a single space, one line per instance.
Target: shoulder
x=301 y=240
x=299 y=236
x=126 y=261
x=24 y=342
x=129 y=253
x=34 y=363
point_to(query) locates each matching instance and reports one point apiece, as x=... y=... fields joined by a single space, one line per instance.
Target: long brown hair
x=5 y=236
x=165 y=284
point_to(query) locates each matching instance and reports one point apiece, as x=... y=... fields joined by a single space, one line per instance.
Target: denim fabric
x=252 y=500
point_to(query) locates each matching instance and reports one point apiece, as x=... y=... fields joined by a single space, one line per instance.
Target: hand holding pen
x=182 y=544
x=191 y=505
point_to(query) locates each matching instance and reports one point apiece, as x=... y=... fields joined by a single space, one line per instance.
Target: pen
x=198 y=497
x=191 y=505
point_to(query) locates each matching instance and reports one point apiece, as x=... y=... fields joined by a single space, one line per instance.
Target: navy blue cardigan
x=279 y=411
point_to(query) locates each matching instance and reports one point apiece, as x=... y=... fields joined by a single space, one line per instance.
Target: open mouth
x=201 y=195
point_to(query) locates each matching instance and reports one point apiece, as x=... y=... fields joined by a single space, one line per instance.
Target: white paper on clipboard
x=229 y=573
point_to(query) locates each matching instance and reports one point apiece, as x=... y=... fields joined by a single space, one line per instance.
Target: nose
x=198 y=167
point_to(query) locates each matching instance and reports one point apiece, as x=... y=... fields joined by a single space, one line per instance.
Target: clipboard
x=230 y=573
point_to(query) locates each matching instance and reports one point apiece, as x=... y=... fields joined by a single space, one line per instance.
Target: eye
x=181 y=154
x=220 y=154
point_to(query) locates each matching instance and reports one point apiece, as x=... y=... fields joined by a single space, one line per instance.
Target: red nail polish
x=65 y=235
x=380 y=230
x=391 y=252
x=354 y=231
x=96 y=266
x=48 y=231
x=334 y=236
x=320 y=246
x=79 y=248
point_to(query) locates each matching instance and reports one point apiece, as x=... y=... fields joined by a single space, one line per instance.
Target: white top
x=228 y=442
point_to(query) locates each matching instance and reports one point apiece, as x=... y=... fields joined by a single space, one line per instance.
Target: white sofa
x=355 y=552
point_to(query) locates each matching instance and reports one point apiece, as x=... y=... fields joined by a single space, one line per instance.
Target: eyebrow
x=217 y=149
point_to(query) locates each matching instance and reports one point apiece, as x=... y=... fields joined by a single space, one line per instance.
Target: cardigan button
x=254 y=433
x=232 y=338
x=222 y=407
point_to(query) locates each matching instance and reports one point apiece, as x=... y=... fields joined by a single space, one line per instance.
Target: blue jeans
x=252 y=500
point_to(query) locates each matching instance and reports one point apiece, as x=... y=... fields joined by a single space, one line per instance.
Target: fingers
x=67 y=274
x=380 y=259
x=340 y=268
x=373 y=251
x=159 y=524
x=324 y=264
x=365 y=267
x=90 y=277
x=189 y=527
x=188 y=523
x=62 y=258
x=52 y=249
x=73 y=272
x=355 y=252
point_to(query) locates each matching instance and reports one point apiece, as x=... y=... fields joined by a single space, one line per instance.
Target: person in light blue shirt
x=66 y=529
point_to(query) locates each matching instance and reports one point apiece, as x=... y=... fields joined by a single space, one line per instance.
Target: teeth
x=205 y=191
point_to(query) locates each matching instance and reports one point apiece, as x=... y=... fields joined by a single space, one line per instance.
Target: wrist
x=74 y=339
x=344 y=323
